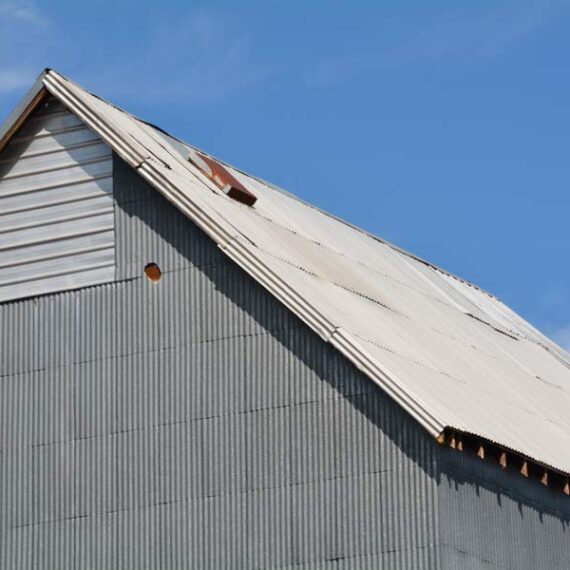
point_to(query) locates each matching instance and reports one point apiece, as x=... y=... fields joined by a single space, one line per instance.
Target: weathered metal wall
x=196 y=423
x=494 y=519
x=56 y=206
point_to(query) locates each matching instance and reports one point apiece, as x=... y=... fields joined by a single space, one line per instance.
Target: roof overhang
x=157 y=172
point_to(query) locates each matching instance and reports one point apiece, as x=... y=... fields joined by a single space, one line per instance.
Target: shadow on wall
x=470 y=490
x=495 y=518
x=137 y=199
x=464 y=472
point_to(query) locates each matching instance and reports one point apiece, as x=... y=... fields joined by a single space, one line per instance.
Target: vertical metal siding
x=151 y=230
x=56 y=206
x=492 y=518
x=196 y=423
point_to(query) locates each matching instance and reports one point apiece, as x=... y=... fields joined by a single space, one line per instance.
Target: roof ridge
x=332 y=312
x=285 y=192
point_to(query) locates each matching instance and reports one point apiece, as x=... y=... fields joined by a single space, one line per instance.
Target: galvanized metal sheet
x=197 y=423
x=449 y=353
x=494 y=518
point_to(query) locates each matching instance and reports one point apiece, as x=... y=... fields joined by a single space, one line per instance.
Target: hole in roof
x=222 y=178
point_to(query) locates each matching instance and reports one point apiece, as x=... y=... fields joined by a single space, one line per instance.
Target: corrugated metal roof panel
x=449 y=353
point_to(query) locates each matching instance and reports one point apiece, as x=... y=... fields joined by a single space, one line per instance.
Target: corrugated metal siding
x=56 y=206
x=495 y=519
x=151 y=230
x=431 y=342
x=196 y=423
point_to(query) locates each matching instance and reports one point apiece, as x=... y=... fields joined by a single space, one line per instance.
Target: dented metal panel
x=56 y=206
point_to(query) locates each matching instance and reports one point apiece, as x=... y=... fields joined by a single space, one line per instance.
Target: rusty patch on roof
x=222 y=178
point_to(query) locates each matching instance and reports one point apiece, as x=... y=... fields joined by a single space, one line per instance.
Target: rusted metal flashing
x=222 y=178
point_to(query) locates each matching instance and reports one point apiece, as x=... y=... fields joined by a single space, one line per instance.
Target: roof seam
x=232 y=230
x=369 y=234
x=380 y=303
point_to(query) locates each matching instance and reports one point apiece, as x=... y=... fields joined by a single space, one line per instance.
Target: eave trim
x=27 y=105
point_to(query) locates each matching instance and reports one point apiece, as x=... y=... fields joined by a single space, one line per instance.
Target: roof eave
x=136 y=156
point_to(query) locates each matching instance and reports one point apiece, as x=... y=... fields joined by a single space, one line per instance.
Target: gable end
x=56 y=206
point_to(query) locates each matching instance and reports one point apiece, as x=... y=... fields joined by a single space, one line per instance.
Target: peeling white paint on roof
x=451 y=354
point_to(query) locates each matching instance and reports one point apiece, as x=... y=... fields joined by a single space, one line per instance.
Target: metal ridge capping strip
x=354 y=351
x=236 y=250
x=335 y=335
x=206 y=222
x=220 y=231
x=56 y=85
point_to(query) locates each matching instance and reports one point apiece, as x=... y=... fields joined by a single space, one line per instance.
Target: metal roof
x=449 y=353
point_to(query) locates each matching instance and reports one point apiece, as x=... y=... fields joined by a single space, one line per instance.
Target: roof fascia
x=23 y=110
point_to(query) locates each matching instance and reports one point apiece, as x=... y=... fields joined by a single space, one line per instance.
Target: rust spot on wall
x=153 y=272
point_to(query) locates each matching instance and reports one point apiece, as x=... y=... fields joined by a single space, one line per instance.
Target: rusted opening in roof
x=222 y=178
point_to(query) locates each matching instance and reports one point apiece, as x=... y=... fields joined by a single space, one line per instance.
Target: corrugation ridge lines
x=53 y=169
x=293 y=482
x=42 y=335
x=92 y=141
x=103 y=461
x=500 y=508
x=152 y=229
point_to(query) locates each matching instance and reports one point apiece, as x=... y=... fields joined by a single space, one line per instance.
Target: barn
x=200 y=371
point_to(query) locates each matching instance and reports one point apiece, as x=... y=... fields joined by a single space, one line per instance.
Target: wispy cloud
x=22 y=12
x=197 y=58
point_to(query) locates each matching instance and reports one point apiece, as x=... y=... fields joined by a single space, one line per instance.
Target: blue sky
x=441 y=126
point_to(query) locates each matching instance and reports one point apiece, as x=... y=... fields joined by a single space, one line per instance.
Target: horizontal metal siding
x=196 y=423
x=56 y=206
x=492 y=518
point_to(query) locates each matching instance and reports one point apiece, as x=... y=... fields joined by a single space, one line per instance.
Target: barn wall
x=196 y=423
x=56 y=206
x=494 y=519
